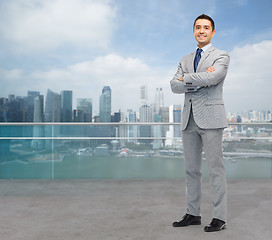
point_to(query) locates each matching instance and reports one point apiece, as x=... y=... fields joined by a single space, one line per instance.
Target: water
x=75 y=167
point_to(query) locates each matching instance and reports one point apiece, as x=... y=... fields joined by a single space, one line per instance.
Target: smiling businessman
x=200 y=76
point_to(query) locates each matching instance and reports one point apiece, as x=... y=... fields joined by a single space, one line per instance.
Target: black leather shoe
x=215 y=225
x=188 y=220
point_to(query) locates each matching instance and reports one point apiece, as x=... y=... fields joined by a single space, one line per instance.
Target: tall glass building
x=31 y=95
x=52 y=107
x=66 y=105
x=85 y=105
x=52 y=114
x=38 y=131
x=105 y=105
x=158 y=100
x=143 y=95
x=145 y=115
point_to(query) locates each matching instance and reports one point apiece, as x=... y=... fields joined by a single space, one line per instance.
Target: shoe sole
x=222 y=228
x=193 y=223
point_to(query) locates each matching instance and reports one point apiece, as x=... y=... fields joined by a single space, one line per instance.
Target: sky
x=84 y=45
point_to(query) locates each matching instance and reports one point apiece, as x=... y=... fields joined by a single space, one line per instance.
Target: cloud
x=86 y=79
x=83 y=45
x=33 y=25
x=248 y=84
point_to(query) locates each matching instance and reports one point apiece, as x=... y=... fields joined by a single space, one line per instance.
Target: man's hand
x=210 y=69
x=181 y=79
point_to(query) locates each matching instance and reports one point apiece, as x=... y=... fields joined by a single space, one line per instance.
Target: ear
x=213 y=33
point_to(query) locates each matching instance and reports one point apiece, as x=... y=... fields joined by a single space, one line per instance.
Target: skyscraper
x=164 y=113
x=38 y=131
x=143 y=95
x=31 y=95
x=52 y=107
x=158 y=100
x=145 y=116
x=38 y=109
x=11 y=110
x=145 y=113
x=105 y=105
x=22 y=101
x=85 y=106
x=52 y=114
x=66 y=105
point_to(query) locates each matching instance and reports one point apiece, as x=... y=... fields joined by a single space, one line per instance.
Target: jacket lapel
x=205 y=56
x=191 y=62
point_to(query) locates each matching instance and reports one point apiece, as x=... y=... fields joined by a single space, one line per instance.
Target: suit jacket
x=203 y=90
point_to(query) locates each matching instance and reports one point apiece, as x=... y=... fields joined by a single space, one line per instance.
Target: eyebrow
x=202 y=25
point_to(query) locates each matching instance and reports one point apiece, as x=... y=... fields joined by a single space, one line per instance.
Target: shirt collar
x=206 y=47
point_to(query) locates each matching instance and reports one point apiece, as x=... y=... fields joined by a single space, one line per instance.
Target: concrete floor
x=128 y=209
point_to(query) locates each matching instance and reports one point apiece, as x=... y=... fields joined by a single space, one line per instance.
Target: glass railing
x=123 y=151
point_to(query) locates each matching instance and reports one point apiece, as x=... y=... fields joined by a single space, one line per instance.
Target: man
x=200 y=76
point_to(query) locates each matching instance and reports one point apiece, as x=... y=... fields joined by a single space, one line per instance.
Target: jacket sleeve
x=207 y=79
x=178 y=86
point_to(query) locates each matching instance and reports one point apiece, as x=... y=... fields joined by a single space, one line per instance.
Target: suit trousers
x=195 y=140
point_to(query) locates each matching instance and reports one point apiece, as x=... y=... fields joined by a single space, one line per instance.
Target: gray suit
x=203 y=120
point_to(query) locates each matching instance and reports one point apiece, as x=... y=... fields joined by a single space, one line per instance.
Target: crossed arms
x=184 y=82
x=210 y=69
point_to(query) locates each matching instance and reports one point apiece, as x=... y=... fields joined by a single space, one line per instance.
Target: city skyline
x=83 y=45
x=57 y=107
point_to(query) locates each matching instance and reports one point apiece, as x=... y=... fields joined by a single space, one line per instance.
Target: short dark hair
x=204 y=16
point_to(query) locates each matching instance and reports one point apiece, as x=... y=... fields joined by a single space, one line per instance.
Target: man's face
x=203 y=32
